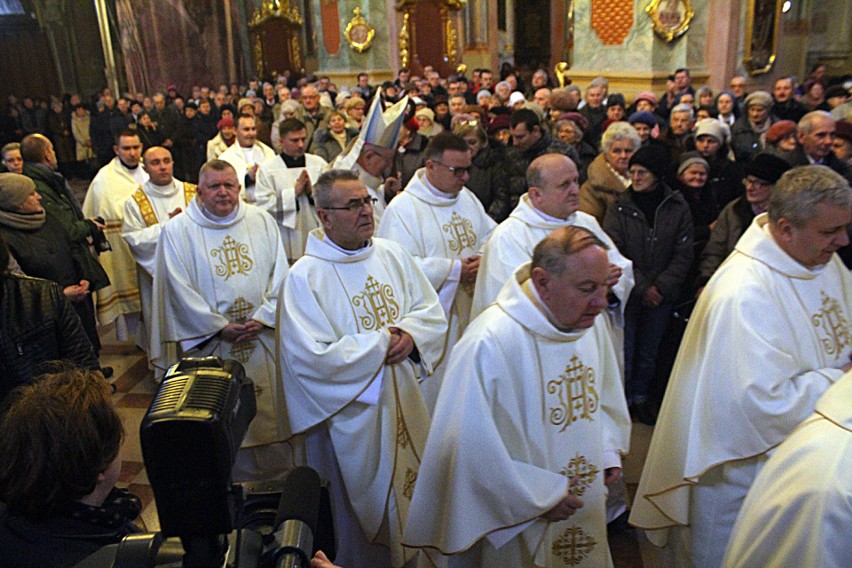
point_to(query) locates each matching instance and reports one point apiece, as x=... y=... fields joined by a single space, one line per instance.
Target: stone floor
x=134 y=391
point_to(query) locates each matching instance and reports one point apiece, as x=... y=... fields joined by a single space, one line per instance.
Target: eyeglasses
x=355 y=205
x=757 y=183
x=458 y=171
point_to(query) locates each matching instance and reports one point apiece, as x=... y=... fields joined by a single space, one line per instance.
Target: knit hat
x=223 y=122
x=689 y=158
x=779 y=131
x=835 y=91
x=483 y=94
x=516 y=97
x=14 y=189
x=427 y=112
x=655 y=158
x=767 y=167
x=843 y=129
x=646 y=96
x=710 y=127
x=759 y=98
x=576 y=118
x=616 y=99
x=643 y=117
x=499 y=122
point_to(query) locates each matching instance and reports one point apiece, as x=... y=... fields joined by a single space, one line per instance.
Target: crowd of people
x=422 y=272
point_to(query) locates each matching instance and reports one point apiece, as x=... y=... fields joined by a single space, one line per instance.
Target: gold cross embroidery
x=460 y=232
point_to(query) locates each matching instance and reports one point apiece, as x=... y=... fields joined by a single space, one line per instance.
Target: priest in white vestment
x=372 y=154
x=359 y=325
x=247 y=155
x=155 y=202
x=531 y=423
x=551 y=202
x=769 y=335
x=114 y=183
x=284 y=185
x=219 y=267
x=799 y=510
x=444 y=226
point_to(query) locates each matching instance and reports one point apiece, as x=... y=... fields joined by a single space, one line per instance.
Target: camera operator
x=59 y=461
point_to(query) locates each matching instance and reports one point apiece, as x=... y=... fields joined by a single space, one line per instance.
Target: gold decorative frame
x=763 y=24
x=358 y=33
x=670 y=18
x=270 y=9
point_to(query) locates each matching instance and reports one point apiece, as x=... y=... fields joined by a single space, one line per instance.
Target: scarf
x=27 y=221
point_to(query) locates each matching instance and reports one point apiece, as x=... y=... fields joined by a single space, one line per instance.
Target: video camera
x=190 y=437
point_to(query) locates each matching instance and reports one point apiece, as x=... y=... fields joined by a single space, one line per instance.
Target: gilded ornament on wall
x=670 y=18
x=358 y=33
x=761 y=43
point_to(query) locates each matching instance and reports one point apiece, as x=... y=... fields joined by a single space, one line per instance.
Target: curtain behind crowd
x=178 y=42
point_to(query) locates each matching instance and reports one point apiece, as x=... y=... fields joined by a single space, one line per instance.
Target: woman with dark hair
x=651 y=225
x=59 y=462
x=726 y=106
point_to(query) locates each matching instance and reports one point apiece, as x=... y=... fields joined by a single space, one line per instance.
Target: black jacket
x=37 y=324
x=517 y=162
x=662 y=253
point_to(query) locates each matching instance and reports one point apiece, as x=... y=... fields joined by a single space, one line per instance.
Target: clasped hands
x=401 y=345
x=239 y=332
x=571 y=503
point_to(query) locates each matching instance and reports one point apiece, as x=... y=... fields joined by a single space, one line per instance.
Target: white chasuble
x=144 y=213
x=213 y=272
x=336 y=309
x=525 y=408
x=110 y=188
x=512 y=243
x=767 y=337
x=274 y=192
x=438 y=230
x=798 y=510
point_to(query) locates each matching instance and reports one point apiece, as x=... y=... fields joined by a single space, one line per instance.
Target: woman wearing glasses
x=652 y=226
x=761 y=175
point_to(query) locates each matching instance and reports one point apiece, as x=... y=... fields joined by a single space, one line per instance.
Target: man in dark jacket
x=37 y=324
x=785 y=107
x=529 y=141
x=815 y=135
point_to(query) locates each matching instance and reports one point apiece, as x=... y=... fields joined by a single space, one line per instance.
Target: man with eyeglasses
x=444 y=226
x=219 y=266
x=768 y=336
x=360 y=324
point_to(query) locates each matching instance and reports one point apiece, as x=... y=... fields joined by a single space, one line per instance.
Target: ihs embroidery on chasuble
x=832 y=327
x=460 y=233
x=573 y=545
x=574 y=395
x=232 y=257
x=582 y=471
x=376 y=305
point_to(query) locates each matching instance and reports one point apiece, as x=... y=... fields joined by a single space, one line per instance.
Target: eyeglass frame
x=354 y=205
x=756 y=182
x=457 y=171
